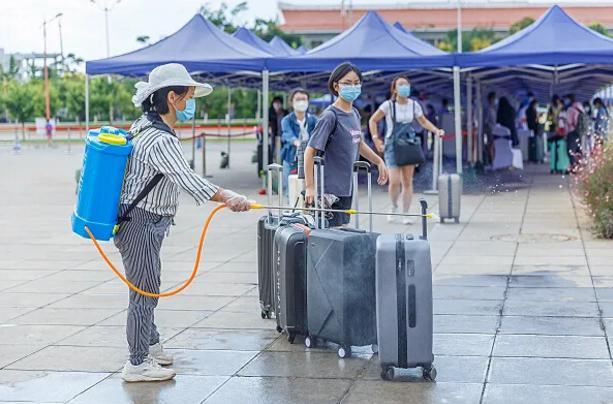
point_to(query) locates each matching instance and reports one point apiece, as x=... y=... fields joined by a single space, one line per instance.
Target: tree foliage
x=521 y=24
x=598 y=27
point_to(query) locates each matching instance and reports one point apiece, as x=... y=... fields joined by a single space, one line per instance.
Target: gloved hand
x=235 y=202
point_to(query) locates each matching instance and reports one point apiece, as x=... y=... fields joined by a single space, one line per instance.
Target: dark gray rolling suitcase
x=449 y=197
x=341 y=285
x=290 y=264
x=267 y=225
x=404 y=302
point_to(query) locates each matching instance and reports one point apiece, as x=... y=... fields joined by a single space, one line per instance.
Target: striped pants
x=139 y=242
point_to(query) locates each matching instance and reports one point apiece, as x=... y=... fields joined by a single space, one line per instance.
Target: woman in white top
x=400 y=109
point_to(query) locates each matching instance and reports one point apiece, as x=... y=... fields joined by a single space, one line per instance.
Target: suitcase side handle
x=424 y=219
x=279 y=169
x=357 y=166
x=319 y=162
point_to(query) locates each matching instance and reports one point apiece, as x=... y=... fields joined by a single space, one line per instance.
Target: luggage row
x=346 y=286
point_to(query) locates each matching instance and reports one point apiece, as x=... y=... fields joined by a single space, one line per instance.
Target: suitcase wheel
x=279 y=329
x=430 y=373
x=457 y=220
x=344 y=352
x=387 y=373
x=265 y=314
x=291 y=337
x=375 y=348
x=309 y=342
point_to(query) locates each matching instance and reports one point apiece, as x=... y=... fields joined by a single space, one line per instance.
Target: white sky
x=83 y=22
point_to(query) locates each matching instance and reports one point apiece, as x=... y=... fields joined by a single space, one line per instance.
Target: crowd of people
x=570 y=128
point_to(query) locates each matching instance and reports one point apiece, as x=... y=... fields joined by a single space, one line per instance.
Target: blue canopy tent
x=555 y=54
x=255 y=41
x=283 y=48
x=372 y=44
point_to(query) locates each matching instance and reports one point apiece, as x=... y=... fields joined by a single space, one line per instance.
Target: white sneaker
x=162 y=357
x=408 y=220
x=392 y=218
x=148 y=371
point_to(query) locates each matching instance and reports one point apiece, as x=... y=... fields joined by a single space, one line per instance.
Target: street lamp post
x=45 y=68
x=106 y=6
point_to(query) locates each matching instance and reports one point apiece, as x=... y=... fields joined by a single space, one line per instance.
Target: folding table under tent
x=555 y=54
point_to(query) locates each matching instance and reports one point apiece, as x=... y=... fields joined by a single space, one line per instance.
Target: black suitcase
x=341 y=285
x=267 y=225
x=290 y=263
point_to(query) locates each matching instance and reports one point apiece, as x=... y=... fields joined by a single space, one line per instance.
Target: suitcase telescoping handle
x=320 y=217
x=279 y=169
x=357 y=166
x=424 y=218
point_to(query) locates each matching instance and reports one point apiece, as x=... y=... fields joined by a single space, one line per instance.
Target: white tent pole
x=457 y=102
x=469 y=118
x=480 y=122
x=86 y=104
x=265 y=76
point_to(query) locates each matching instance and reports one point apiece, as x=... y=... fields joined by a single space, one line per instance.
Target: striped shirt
x=158 y=150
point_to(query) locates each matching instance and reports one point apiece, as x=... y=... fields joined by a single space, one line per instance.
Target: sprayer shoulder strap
x=141 y=195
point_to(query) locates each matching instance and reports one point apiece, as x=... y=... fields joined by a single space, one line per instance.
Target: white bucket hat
x=170 y=74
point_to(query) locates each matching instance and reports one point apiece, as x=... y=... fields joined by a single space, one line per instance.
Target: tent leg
x=469 y=120
x=228 y=122
x=480 y=122
x=86 y=104
x=457 y=102
x=265 y=140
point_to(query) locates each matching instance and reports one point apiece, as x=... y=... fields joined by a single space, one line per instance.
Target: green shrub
x=594 y=179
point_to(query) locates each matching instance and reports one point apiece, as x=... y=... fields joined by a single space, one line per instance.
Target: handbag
x=406 y=145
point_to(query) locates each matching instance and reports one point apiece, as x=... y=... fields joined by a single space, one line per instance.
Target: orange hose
x=171 y=292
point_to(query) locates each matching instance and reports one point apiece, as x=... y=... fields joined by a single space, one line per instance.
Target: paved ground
x=523 y=305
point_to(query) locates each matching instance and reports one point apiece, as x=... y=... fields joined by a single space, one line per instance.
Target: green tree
x=71 y=96
x=521 y=24
x=268 y=29
x=224 y=16
x=472 y=40
x=24 y=101
x=598 y=27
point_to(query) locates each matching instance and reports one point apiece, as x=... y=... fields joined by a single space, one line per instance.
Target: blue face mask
x=350 y=93
x=404 y=90
x=189 y=111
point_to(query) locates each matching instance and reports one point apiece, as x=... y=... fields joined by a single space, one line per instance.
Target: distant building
x=23 y=62
x=432 y=19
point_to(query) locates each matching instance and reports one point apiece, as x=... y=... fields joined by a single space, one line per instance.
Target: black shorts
x=336 y=219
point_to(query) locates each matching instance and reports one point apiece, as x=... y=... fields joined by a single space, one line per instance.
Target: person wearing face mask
x=397 y=110
x=296 y=129
x=338 y=136
x=155 y=173
x=275 y=116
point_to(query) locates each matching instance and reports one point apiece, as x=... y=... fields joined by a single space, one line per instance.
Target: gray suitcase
x=404 y=302
x=449 y=196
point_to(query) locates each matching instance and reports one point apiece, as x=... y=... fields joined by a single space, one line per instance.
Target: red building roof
x=327 y=19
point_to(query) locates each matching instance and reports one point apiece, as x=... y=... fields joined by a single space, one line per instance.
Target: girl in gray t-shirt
x=338 y=136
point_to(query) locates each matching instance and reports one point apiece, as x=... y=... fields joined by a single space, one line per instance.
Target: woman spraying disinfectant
x=155 y=172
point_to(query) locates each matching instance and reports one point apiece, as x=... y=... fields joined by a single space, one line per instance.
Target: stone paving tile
x=6 y=314
x=279 y=390
x=32 y=300
x=550 y=281
x=205 y=338
x=91 y=301
x=81 y=276
x=184 y=302
x=469 y=280
x=11 y=353
x=64 y=316
x=571 y=309
x=49 y=287
x=463 y=344
x=14 y=334
x=36 y=386
x=463 y=306
x=551 y=270
x=551 y=346
x=461 y=369
x=82 y=359
x=539 y=394
x=468 y=292
x=601 y=270
x=304 y=364
x=210 y=363
x=470 y=269
x=603 y=281
x=184 y=389
x=110 y=336
x=236 y=320
x=164 y=318
x=536 y=371
x=607 y=308
x=550 y=260
x=372 y=391
x=552 y=294
x=581 y=326
x=216 y=289
x=463 y=324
